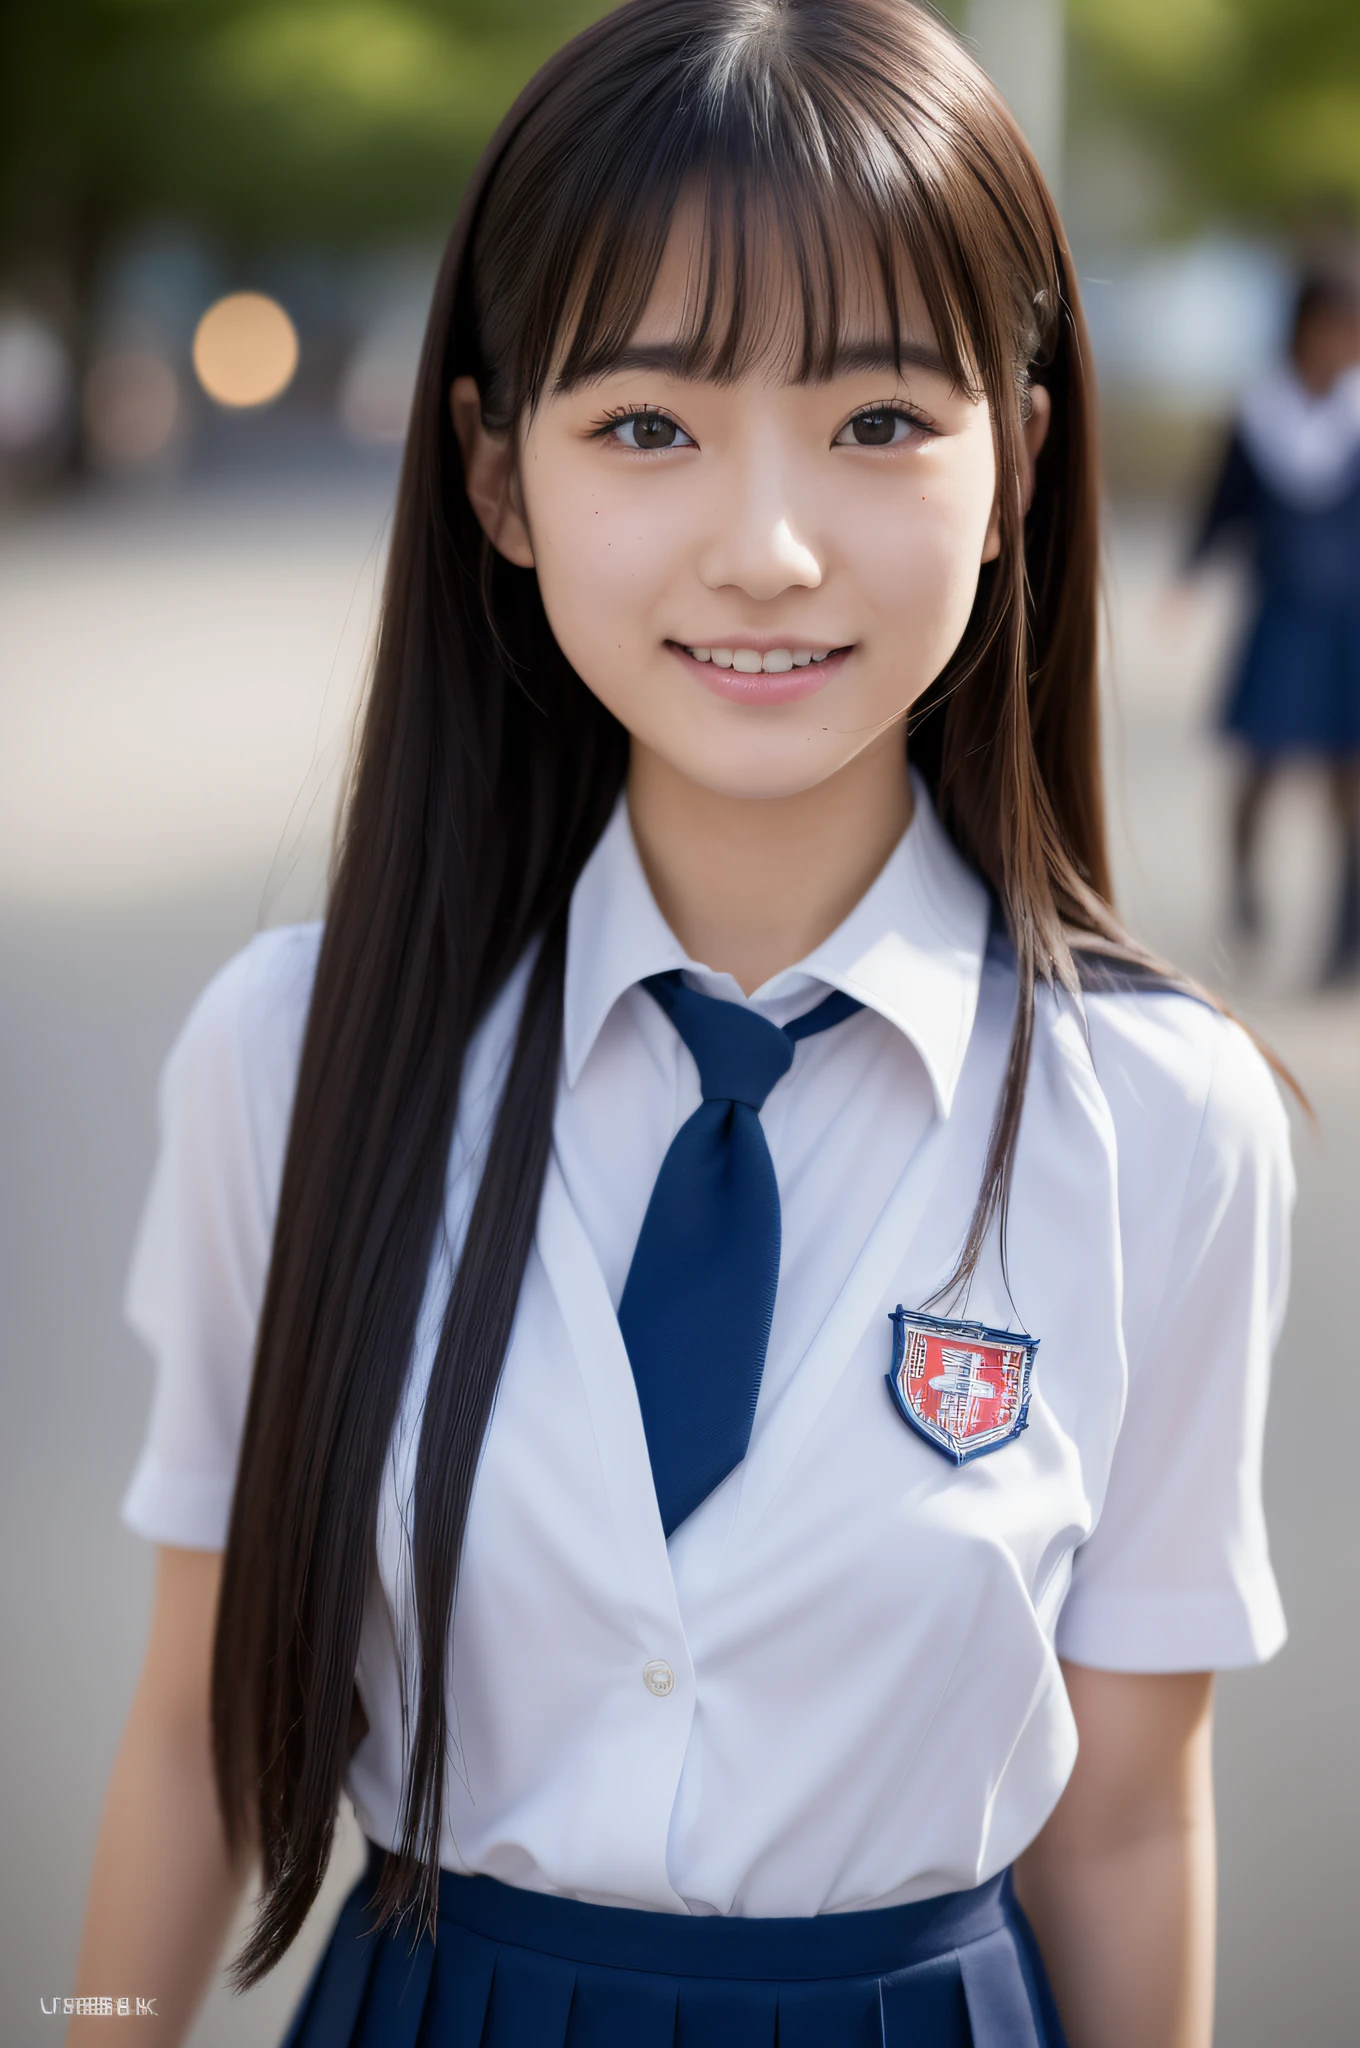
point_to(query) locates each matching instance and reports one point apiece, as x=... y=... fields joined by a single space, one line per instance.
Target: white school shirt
x=837 y=1686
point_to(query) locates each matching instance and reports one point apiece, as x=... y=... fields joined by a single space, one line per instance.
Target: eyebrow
x=673 y=359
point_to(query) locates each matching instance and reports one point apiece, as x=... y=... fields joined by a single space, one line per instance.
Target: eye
x=880 y=426
x=647 y=431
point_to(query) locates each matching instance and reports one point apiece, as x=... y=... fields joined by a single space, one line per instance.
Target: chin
x=759 y=773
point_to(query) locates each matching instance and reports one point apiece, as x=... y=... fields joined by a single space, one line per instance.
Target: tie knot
x=739 y=1055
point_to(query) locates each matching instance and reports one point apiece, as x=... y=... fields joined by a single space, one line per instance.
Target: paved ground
x=175 y=683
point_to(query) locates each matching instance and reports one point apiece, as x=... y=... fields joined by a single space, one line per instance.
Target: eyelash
x=897 y=409
x=620 y=415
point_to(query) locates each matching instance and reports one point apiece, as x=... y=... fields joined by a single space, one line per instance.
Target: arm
x=1233 y=503
x=1120 y=1884
x=163 y=1891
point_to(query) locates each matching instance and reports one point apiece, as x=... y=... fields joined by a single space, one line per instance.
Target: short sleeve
x=1176 y=1574
x=202 y=1249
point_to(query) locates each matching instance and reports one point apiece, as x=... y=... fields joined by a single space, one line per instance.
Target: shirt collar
x=911 y=949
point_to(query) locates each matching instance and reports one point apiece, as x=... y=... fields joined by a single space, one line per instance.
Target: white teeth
x=747 y=662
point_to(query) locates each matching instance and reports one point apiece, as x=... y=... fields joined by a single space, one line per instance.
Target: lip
x=735 y=688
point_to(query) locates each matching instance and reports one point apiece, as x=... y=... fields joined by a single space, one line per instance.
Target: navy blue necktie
x=697 y=1304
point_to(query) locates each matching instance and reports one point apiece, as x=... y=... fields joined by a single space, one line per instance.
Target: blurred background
x=218 y=227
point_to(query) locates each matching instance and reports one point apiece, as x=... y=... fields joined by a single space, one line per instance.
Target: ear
x=1034 y=434
x=489 y=472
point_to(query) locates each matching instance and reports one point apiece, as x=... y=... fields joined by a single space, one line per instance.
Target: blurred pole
x=1022 y=45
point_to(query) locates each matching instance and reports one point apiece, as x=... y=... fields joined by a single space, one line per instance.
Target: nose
x=757 y=541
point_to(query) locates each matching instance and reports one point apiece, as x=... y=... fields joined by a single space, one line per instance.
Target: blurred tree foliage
x=1256 y=102
x=353 y=121
x=260 y=121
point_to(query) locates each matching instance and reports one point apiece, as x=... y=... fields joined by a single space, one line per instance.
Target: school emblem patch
x=964 y=1387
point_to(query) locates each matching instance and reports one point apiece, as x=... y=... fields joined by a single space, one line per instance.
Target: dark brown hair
x=1322 y=295
x=847 y=132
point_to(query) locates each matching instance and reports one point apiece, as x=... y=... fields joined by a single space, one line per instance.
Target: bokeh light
x=245 y=350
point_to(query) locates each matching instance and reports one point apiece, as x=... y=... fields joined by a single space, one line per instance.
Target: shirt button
x=658 y=1678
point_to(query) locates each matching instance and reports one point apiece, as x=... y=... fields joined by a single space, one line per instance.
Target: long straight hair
x=858 y=141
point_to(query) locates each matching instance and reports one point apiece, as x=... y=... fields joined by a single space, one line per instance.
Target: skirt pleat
x=927 y=2003
x=1048 y=2025
x=813 y=2014
x=622 y=2005
x=725 y=2014
x=531 y=2000
x=460 y=1990
x=534 y=1971
x=999 y=2004
x=395 y=1998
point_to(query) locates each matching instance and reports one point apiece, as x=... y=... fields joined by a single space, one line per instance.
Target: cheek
x=920 y=551
x=602 y=561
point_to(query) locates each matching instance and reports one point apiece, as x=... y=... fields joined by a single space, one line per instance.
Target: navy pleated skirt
x=1298 y=684
x=519 y=1969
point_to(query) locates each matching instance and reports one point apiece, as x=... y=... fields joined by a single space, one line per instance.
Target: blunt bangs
x=777 y=282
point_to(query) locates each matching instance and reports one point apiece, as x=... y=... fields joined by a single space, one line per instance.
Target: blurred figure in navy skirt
x=1290 y=486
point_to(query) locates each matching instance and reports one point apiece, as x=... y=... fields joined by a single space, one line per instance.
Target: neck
x=750 y=885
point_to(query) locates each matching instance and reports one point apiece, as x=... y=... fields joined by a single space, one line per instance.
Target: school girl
x=712 y=1321
x=1290 y=486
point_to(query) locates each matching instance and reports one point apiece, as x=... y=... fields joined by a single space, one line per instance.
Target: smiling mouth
x=754 y=661
x=761 y=676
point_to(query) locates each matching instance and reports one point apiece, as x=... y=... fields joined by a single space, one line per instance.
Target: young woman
x=719 y=1010
x=1290 y=485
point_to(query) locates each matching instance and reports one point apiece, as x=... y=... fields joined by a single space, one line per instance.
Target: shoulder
x=1182 y=1082
x=262 y=992
x=239 y=1048
x=1181 y=1079
x=1178 y=1075
x=1205 y=1179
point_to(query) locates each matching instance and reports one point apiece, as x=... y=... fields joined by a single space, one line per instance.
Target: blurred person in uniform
x=1290 y=488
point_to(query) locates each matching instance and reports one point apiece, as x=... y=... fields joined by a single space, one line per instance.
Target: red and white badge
x=964 y=1387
